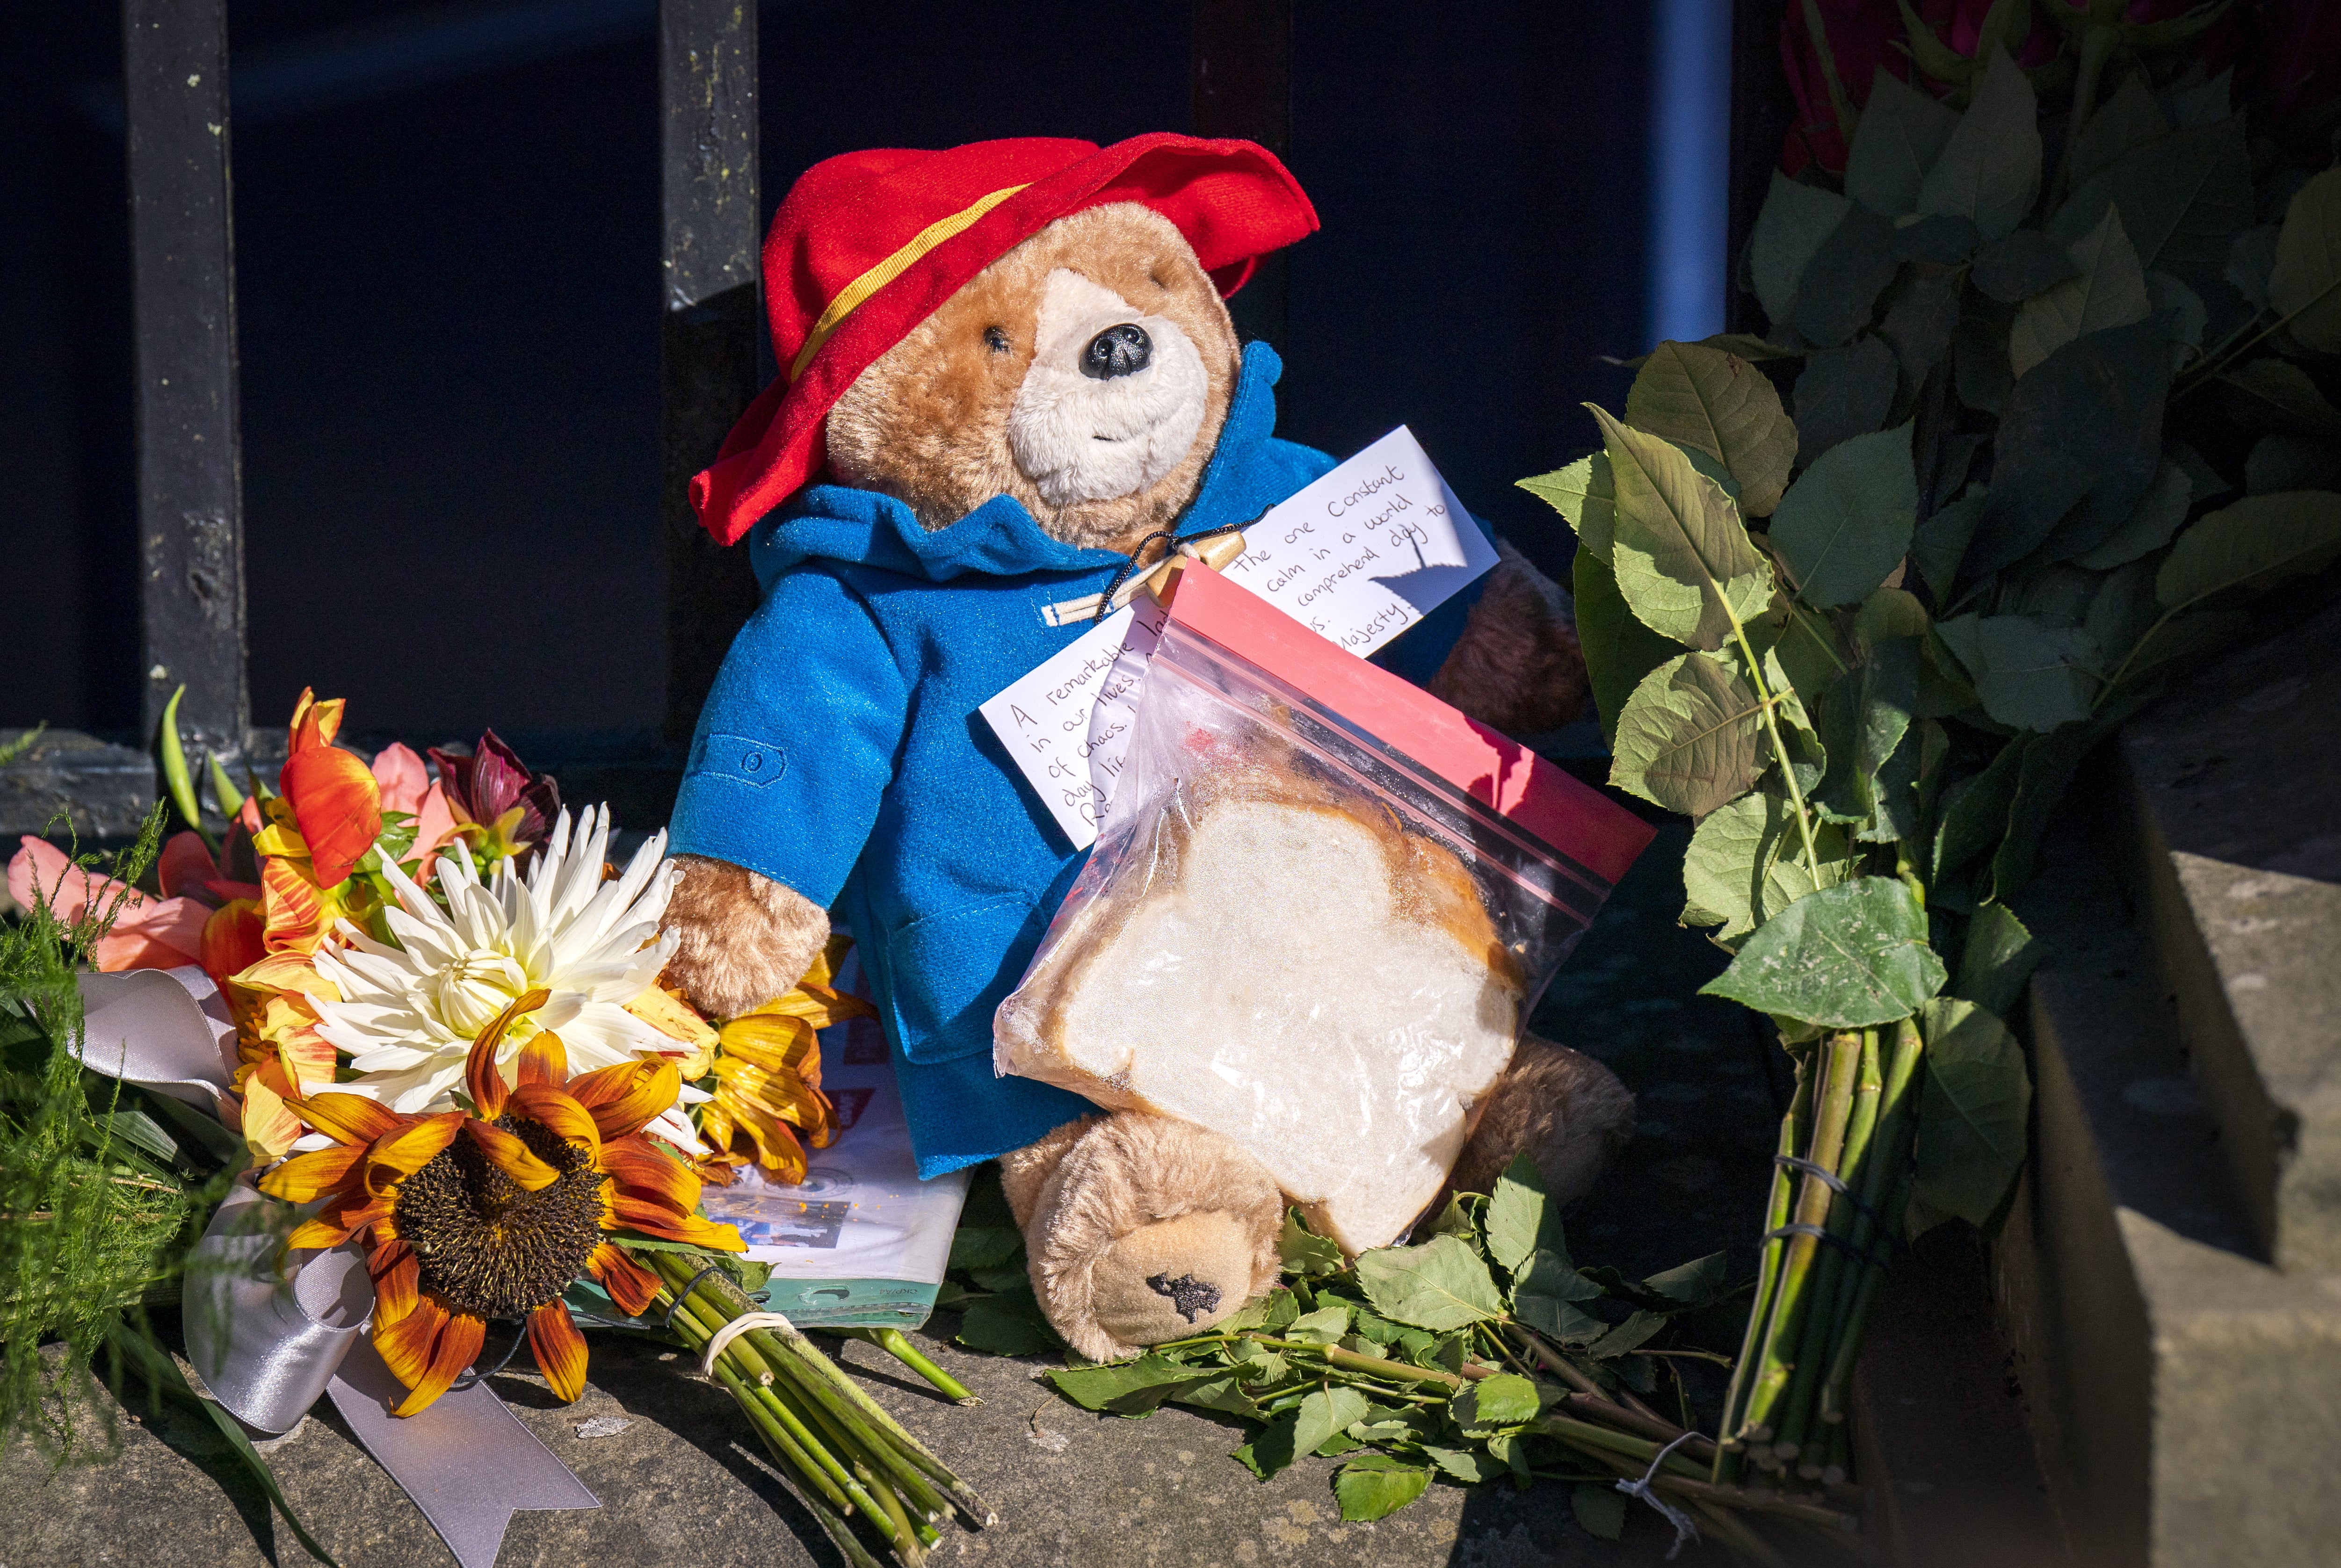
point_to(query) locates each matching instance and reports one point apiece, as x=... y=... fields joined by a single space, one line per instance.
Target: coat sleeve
x=798 y=740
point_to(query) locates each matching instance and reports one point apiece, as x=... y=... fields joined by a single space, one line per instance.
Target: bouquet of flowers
x=445 y=1041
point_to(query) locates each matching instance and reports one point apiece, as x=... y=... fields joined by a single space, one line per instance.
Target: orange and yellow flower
x=316 y=831
x=767 y=1073
x=491 y=1212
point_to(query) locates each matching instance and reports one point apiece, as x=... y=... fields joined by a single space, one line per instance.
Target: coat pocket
x=949 y=974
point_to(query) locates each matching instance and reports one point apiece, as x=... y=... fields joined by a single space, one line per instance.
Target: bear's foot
x=1139 y=1229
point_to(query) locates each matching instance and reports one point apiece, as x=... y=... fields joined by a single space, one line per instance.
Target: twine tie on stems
x=734 y=1329
x=1686 y=1527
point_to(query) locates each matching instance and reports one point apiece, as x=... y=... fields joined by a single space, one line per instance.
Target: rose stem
x=819 y=1377
x=1834 y=1109
x=906 y=1541
x=752 y=1370
x=1729 y=1443
x=1812 y=1346
x=1736 y=1535
x=784 y=1447
x=1884 y=1190
x=896 y=1343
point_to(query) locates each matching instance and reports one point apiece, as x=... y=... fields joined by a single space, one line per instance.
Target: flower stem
x=1772 y=727
x=896 y=1343
x=1849 y=118
x=1885 y=1190
x=1785 y=1331
x=1730 y=1447
x=1812 y=1344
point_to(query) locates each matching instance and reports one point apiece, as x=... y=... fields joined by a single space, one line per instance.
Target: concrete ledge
x=2186 y=1396
x=2235 y=850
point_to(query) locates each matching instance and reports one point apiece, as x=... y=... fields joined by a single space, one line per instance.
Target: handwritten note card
x=1358 y=556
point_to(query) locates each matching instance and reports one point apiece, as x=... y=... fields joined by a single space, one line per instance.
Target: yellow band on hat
x=853 y=293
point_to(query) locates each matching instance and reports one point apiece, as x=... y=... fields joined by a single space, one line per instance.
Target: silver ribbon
x=268 y=1338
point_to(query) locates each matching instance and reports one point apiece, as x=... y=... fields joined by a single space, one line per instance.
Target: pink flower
x=401 y=774
x=147 y=933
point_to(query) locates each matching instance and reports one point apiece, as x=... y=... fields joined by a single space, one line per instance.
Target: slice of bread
x=1292 y=971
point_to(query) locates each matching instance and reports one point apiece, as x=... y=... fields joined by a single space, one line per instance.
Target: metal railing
x=190 y=492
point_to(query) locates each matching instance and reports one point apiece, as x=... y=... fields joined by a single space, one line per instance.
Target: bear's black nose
x=1120 y=351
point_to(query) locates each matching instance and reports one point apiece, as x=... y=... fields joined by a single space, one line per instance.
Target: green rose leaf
x=1305 y=1252
x=1520 y=1218
x=2183 y=200
x=2076 y=450
x=984 y=1246
x=1888 y=614
x=1989 y=170
x=1494 y=1403
x=1788 y=232
x=2110 y=292
x=2025 y=263
x=2292 y=463
x=1941 y=542
x=2150 y=526
x=2029 y=673
x=2048 y=766
x=1999 y=957
x=1972 y=1112
x=1975 y=811
x=1378 y=1486
x=1847 y=521
x=2305 y=284
x=1125 y=1387
x=1842 y=283
x=1843 y=392
x=1600 y=1509
x=2270 y=394
x=1690 y=737
x=1870 y=709
x=1439 y=1285
x=1006 y=1324
x=1745 y=864
x=2130 y=118
x=1618 y=649
x=2251 y=263
x=2251 y=546
x=1702 y=1282
x=1902 y=133
x=1683 y=561
x=1581 y=492
x=1630 y=1335
x=1468 y=1465
x=1920 y=322
x=1705 y=400
x=1844 y=958
x=1324 y=1414
x=1274 y=1448
x=1326 y=1325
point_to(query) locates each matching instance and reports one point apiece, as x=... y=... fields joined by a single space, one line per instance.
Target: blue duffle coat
x=841 y=753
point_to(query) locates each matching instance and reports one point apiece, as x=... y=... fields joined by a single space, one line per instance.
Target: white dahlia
x=408 y=1014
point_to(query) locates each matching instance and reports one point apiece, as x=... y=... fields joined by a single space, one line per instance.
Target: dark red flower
x=491 y=781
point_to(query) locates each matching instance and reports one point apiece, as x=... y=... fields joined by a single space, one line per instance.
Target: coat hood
x=1000 y=538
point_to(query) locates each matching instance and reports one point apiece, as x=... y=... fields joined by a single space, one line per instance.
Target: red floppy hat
x=867 y=246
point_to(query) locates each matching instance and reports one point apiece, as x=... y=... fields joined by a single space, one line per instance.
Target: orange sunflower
x=492 y=1212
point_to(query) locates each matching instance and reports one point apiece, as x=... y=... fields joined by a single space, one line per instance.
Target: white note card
x=1358 y=556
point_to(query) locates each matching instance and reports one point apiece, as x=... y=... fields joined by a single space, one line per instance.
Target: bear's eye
x=995 y=339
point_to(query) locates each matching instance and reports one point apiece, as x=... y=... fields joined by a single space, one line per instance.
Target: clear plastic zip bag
x=1321 y=906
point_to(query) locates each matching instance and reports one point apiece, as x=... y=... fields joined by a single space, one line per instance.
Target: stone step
x=2185 y=1395
x=2234 y=846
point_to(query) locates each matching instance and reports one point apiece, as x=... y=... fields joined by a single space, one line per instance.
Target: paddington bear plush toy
x=1008 y=364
